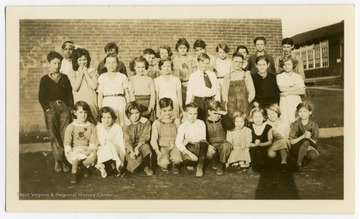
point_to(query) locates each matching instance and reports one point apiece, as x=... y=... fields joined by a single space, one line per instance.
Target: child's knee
x=164 y=162
x=210 y=152
x=271 y=153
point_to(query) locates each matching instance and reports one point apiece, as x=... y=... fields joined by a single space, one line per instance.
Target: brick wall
x=38 y=37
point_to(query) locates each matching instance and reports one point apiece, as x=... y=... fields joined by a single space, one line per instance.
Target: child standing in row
x=241 y=139
x=150 y=56
x=67 y=51
x=260 y=44
x=217 y=124
x=80 y=141
x=142 y=89
x=266 y=88
x=56 y=99
x=163 y=137
x=84 y=80
x=244 y=50
x=111 y=49
x=137 y=132
x=200 y=47
x=238 y=90
x=191 y=139
x=222 y=63
x=261 y=139
x=291 y=86
x=164 y=52
x=111 y=143
x=113 y=89
x=304 y=134
x=168 y=86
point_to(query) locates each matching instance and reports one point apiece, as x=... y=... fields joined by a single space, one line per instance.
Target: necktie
x=207 y=80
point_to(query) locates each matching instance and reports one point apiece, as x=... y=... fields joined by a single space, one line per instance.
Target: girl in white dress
x=291 y=86
x=113 y=89
x=111 y=143
x=167 y=85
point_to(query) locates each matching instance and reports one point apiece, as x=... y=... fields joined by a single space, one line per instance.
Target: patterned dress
x=239 y=138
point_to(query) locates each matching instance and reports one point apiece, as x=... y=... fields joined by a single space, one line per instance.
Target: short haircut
x=242 y=47
x=222 y=46
x=241 y=115
x=84 y=106
x=216 y=106
x=53 y=55
x=131 y=106
x=107 y=109
x=202 y=56
x=78 y=53
x=238 y=54
x=259 y=58
x=182 y=41
x=164 y=47
x=149 y=51
x=287 y=41
x=66 y=42
x=112 y=56
x=162 y=61
x=275 y=108
x=165 y=102
x=200 y=43
x=287 y=58
x=260 y=38
x=305 y=104
x=138 y=59
x=258 y=110
x=190 y=105
x=111 y=46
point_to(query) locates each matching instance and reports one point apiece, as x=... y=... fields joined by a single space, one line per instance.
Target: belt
x=114 y=95
x=206 y=98
x=220 y=77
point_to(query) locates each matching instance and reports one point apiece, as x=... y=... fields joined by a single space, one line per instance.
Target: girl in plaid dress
x=240 y=138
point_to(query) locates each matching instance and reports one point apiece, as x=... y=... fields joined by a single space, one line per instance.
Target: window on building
x=315 y=55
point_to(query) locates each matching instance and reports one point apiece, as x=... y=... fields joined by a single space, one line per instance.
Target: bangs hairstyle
x=200 y=43
x=112 y=56
x=257 y=110
x=238 y=54
x=78 y=53
x=222 y=46
x=202 y=57
x=162 y=61
x=307 y=105
x=53 y=55
x=259 y=58
x=275 y=108
x=242 y=47
x=182 y=41
x=165 y=48
x=287 y=58
x=149 y=51
x=165 y=102
x=131 y=106
x=107 y=109
x=86 y=108
x=260 y=38
x=216 y=106
x=190 y=105
x=138 y=59
x=111 y=46
x=67 y=42
x=241 y=115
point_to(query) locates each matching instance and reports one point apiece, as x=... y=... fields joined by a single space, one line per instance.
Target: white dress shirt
x=191 y=132
x=197 y=87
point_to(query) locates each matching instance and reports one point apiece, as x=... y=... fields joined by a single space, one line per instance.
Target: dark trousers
x=57 y=119
x=203 y=104
x=259 y=157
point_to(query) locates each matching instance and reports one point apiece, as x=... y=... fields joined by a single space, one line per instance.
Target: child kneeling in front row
x=163 y=137
x=191 y=138
x=304 y=134
x=80 y=141
x=137 y=132
x=217 y=124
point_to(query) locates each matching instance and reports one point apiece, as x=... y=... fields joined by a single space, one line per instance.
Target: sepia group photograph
x=181 y=109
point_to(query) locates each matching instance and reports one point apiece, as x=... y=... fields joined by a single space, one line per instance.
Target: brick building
x=38 y=37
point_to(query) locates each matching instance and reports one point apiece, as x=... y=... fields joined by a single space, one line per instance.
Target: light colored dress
x=85 y=92
x=288 y=103
x=239 y=138
x=223 y=67
x=113 y=91
x=111 y=144
x=66 y=66
x=168 y=88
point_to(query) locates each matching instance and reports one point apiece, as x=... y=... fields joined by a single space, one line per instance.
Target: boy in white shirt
x=191 y=138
